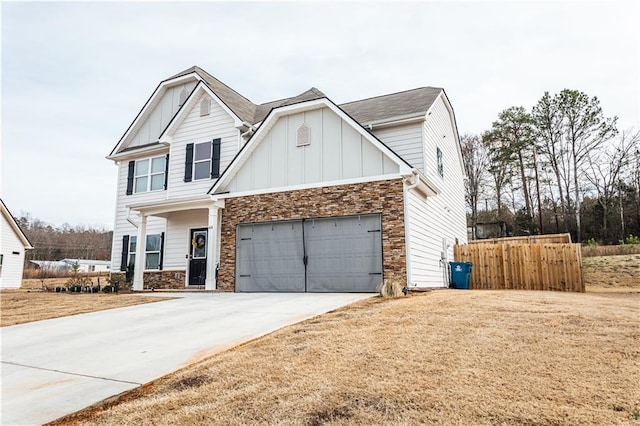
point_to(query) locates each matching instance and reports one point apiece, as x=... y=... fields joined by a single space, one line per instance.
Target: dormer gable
x=308 y=143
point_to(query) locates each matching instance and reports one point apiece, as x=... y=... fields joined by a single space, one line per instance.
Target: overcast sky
x=74 y=75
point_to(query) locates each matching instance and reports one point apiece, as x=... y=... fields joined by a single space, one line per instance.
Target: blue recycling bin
x=460 y=274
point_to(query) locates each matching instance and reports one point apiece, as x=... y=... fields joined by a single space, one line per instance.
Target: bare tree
x=605 y=169
x=585 y=129
x=474 y=156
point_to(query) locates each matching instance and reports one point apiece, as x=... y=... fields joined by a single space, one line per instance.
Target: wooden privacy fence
x=523 y=266
x=538 y=239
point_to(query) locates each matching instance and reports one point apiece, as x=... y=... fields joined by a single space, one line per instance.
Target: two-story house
x=298 y=194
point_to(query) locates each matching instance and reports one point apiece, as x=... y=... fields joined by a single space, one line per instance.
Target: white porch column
x=138 y=267
x=213 y=246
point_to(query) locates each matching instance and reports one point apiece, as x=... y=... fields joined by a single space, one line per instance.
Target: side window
x=132 y=250
x=440 y=163
x=153 y=251
x=147 y=175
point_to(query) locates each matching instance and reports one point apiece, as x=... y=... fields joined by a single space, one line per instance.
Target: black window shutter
x=166 y=171
x=161 y=251
x=125 y=253
x=132 y=167
x=188 y=163
x=215 y=159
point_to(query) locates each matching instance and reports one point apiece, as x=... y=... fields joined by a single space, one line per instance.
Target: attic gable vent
x=303 y=135
x=205 y=106
x=183 y=97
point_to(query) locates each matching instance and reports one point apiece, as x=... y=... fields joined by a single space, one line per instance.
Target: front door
x=198 y=257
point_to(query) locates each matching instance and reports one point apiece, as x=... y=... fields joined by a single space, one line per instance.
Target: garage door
x=341 y=254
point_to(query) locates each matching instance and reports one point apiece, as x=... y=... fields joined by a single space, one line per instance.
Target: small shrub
x=632 y=240
x=592 y=243
x=391 y=288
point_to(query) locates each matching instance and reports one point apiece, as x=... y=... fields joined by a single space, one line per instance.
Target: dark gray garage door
x=342 y=254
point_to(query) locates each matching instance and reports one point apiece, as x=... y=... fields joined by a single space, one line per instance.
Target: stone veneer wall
x=164 y=279
x=159 y=279
x=384 y=197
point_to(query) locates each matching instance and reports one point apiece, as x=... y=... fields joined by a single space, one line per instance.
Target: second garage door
x=339 y=254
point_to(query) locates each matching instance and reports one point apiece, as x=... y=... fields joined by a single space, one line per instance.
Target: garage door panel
x=270 y=257
x=344 y=254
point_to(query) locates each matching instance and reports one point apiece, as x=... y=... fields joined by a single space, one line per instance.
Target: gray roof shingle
x=241 y=106
x=392 y=105
x=363 y=111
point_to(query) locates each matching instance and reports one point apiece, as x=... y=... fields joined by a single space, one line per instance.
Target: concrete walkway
x=55 y=367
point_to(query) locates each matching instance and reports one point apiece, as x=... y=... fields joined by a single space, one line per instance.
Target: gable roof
x=404 y=104
x=298 y=106
x=264 y=109
x=14 y=225
x=241 y=106
x=409 y=102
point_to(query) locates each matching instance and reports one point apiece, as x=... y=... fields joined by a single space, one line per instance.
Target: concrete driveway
x=55 y=367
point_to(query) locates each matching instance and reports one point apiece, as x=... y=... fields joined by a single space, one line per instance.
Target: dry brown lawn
x=444 y=357
x=20 y=306
x=612 y=273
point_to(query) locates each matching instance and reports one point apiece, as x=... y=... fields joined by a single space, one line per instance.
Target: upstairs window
x=150 y=174
x=147 y=175
x=202 y=161
x=440 y=163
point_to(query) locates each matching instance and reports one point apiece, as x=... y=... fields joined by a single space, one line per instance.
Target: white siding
x=12 y=265
x=336 y=152
x=155 y=225
x=196 y=129
x=177 y=244
x=406 y=141
x=160 y=115
x=442 y=216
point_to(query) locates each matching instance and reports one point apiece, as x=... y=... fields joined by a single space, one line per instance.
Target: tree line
x=561 y=166
x=64 y=242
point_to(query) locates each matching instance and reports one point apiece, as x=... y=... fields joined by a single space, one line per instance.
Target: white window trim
x=131 y=259
x=209 y=159
x=148 y=175
x=147 y=252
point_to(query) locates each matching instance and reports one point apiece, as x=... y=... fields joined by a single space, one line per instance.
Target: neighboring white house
x=298 y=194
x=84 y=265
x=13 y=244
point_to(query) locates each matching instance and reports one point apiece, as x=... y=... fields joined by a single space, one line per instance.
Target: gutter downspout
x=128 y=218
x=408 y=187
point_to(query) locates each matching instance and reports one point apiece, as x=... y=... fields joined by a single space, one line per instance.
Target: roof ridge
x=393 y=93
x=197 y=68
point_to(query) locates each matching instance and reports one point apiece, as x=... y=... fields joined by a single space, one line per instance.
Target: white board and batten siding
x=12 y=249
x=436 y=223
x=197 y=129
x=405 y=140
x=336 y=152
x=160 y=116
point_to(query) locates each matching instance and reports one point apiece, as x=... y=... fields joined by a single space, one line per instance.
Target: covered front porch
x=187 y=253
